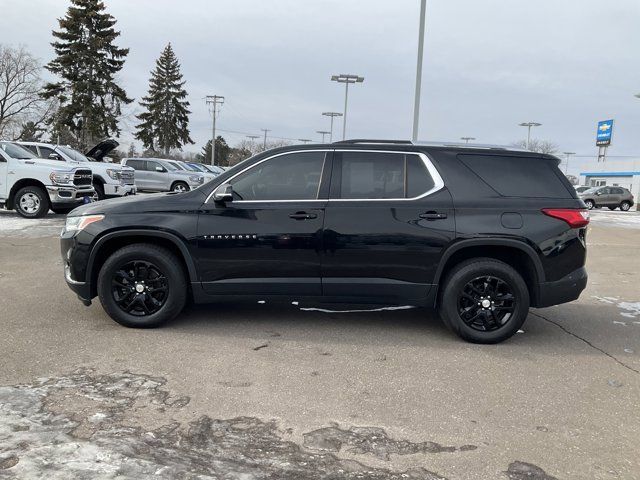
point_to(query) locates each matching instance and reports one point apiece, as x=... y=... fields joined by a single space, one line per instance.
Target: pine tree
x=165 y=122
x=87 y=61
x=222 y=152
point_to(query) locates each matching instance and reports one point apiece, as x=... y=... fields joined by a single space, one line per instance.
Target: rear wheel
x=484 y=301
x=590 y=204
x=625 y=206
x=31 y=202
x=142 y=285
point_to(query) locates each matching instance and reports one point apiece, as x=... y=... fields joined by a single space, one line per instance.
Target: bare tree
x=20 y=87
x=539 y=146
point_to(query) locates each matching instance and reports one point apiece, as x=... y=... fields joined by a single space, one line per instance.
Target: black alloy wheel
x=486 y=303
x=139 y=288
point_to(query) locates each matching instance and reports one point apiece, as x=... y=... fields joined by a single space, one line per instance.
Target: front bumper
x=63 y=195
x=120 y=190
x=564 y=290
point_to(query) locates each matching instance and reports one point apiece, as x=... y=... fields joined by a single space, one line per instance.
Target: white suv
x=109 y=180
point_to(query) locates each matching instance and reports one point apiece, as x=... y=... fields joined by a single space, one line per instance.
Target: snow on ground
x=13 y=225
x=615 y=218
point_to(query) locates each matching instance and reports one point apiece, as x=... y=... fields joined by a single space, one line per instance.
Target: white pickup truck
x=109 y=179
x=32 y=186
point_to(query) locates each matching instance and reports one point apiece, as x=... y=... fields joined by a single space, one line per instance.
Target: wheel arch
x=24 y=182
x=515 y=253
x=109 y=243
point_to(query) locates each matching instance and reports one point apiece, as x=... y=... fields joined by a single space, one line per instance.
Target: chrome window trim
x=435 y=175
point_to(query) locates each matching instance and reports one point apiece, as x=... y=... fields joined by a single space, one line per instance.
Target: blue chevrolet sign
x=604 y=133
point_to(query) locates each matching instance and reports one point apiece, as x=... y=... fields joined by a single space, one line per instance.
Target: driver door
x=268 y=239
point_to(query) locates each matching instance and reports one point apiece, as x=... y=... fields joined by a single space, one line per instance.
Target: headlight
x=115 y=174
x=196 y=178
x=61 y=178
x=76 y=224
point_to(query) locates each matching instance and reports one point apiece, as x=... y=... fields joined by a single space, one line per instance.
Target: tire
x=625 y=206
x=31 y=202
x=590 y=204
x=500 y=319
x=62 y=210
x=99 y=191
x=146 y=262
x=612 y=208
x=180 y=187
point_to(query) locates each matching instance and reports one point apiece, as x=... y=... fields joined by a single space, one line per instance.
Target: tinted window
x=519 y=176
x=294 y=176
x=617 y=191
x=31 y=148
x=418 y=179
x=136 y=164
x=372 y=175
x=45 y=152
x=151 y=166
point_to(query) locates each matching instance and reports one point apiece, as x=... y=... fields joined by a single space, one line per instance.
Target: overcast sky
x=489 y=64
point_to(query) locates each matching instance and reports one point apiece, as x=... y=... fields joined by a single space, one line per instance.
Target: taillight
x=576 y=218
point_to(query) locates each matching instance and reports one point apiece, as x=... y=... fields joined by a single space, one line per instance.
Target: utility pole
x=214 y=100
x=566 y=167
x=416 y=101
x=265 y=130
x=346 y=78
x=332 y=115
x=466 y=139
x=253 y=137
x=529 y=125
x=304 y=140
x=323 y=133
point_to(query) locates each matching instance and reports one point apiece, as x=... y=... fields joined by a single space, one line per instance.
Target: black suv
x=481 y=233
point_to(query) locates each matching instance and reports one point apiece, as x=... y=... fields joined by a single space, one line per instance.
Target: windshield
x=170 y=166
x=198 y=168
x=72 y=154
x=16 y=151
x=177 y=165
x=191 y=167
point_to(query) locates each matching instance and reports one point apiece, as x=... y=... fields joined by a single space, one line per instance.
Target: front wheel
x=179 y=187
x=31 y=202
x=99 y=195
x=625 y=206
x=589 y=204
x=142 y=285
x=484 y=300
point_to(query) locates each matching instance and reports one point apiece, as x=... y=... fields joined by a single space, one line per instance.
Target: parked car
x=109 y=180
x=160 y=175
x=582 y=188
x=189 y=167
x=612 y=197
x=31 y=186
x=479 y=233
x=208 y=169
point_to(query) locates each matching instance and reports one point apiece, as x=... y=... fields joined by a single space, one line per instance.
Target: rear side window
x=519 y=176
x=381 y=175
x=136 y=164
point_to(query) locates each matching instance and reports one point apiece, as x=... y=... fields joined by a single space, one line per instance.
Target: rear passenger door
x=387 y=223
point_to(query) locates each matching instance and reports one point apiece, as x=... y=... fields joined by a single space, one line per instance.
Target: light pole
x=529 y=125
x=416 y=101
x=346 y=78
x=323 y=133
x=332 y=115
x=566 y=167
x=304 y=140
x=466 y=139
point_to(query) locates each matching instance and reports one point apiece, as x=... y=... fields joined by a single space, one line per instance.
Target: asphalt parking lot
x=262 y=391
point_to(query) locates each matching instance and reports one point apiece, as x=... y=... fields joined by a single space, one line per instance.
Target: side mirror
x=54 y=156
x=160 y=169
x=224 y=193
x=598 y=192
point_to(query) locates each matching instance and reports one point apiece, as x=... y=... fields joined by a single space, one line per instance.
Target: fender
x=503 y=242
x=173 y=238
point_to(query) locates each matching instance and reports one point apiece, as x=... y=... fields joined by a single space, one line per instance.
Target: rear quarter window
x=519 y=176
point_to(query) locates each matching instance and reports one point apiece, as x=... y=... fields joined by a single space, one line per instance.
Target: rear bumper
x=564 y=290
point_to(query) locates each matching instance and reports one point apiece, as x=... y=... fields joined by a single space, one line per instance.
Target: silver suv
x=612 y=197
x=160 y=175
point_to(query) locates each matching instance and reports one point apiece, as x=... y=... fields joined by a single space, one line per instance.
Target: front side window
x=381 y=175
x=45 y=152
x=292 y=176
x=153 y=166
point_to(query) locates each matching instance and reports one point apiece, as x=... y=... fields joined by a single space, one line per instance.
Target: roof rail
x=374 y=141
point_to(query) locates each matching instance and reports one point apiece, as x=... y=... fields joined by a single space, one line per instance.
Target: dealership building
x=615 y=173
